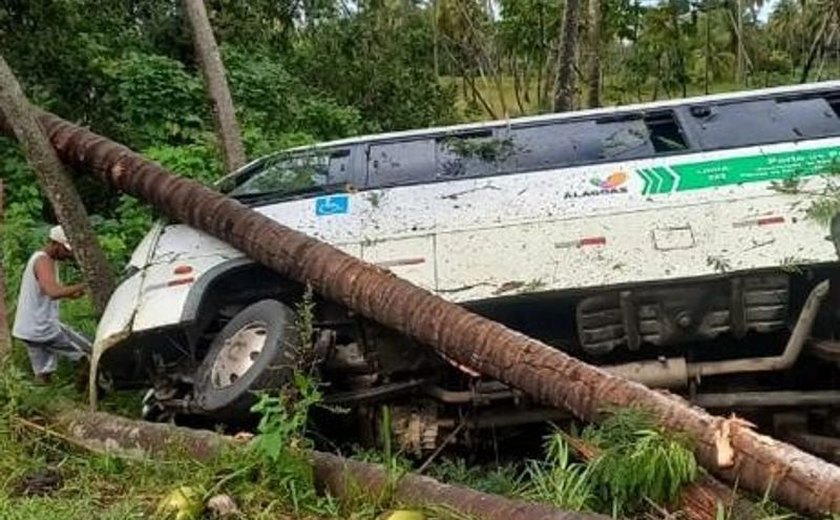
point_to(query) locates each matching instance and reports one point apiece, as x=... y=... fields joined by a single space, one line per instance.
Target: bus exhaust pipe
x=677 y=372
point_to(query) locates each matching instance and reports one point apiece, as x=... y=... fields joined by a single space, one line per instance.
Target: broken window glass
x=471 y=154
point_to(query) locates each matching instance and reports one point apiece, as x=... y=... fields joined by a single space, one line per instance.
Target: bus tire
x=256 y=350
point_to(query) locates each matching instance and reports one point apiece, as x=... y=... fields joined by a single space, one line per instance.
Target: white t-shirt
x=36 y=318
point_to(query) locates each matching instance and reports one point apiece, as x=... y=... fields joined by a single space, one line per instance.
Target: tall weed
x=558 y=480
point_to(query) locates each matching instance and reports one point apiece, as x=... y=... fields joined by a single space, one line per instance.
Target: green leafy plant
x=281 y=444
x=638 y=461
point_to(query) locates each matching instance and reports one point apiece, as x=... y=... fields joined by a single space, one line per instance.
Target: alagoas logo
x=613 y=184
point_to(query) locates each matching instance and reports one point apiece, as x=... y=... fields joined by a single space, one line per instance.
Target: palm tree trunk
x=58 y=186
x=344 y=478
x=435 y=40
x=518 y=79
x=813 y=51
x=564 y=88
x=707 y=52
x=594 y=71
x=213 y=70
x=793 y=478
x=739 y=74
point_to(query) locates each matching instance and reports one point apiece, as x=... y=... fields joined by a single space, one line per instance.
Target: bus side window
x=751 y=123
x=470 y=154
x=545 y=146
x=339 y=166
x=616 y=140
x=568 y=143
x=809 y=118
x=402 y=162
x=833 y=101
x=665 y=132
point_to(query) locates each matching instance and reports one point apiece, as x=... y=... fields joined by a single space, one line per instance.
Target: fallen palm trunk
x=346 y=479
x=699 y=500
x=727 y=448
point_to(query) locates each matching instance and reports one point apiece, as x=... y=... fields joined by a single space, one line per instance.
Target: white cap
x=57 y=235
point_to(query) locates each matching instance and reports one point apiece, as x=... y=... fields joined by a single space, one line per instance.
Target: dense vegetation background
x=308 y=70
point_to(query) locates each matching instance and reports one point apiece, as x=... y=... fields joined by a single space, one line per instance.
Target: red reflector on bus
x=183 y=269
x=592 y=241
x=771 y=220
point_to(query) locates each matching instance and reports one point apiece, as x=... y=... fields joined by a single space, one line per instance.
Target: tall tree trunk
x=58 y=186
x=594 y=71
x=564 y=87
x=758 y=463
x=707 y=51
x=518 y=77
x=526 y=82
x=682 y=74
x=739 y=70
x=213 y=71
x=814 y=49
x=477 y=96
x=541 y=60
x=435 y=39
x=5 y=337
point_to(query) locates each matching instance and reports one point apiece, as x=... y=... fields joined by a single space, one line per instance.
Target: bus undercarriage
x=757 y=344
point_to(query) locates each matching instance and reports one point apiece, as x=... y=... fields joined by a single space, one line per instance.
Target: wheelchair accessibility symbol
x=332 y=205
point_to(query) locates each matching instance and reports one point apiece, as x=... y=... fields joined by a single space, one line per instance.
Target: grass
x=45 y=477
x=558 y=480
x=637 y=462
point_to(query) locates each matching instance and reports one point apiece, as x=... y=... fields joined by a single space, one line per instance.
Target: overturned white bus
x=670 y=242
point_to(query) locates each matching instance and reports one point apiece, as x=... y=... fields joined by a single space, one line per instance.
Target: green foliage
x=199 y=160
x=281 y=444
x=499 y=480
x=284 y=419
x=558 y=480
x=276 y=102
x=380 y=62
x=150 y=99
x=638 y=461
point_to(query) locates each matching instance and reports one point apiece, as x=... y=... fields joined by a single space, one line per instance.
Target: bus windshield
x=283 y=173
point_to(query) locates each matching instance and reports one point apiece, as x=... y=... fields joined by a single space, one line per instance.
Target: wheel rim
x=238 y=354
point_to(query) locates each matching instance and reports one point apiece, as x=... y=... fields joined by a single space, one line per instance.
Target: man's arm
x=45 y=273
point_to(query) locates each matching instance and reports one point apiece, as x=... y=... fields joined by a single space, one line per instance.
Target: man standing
x=36 y=320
